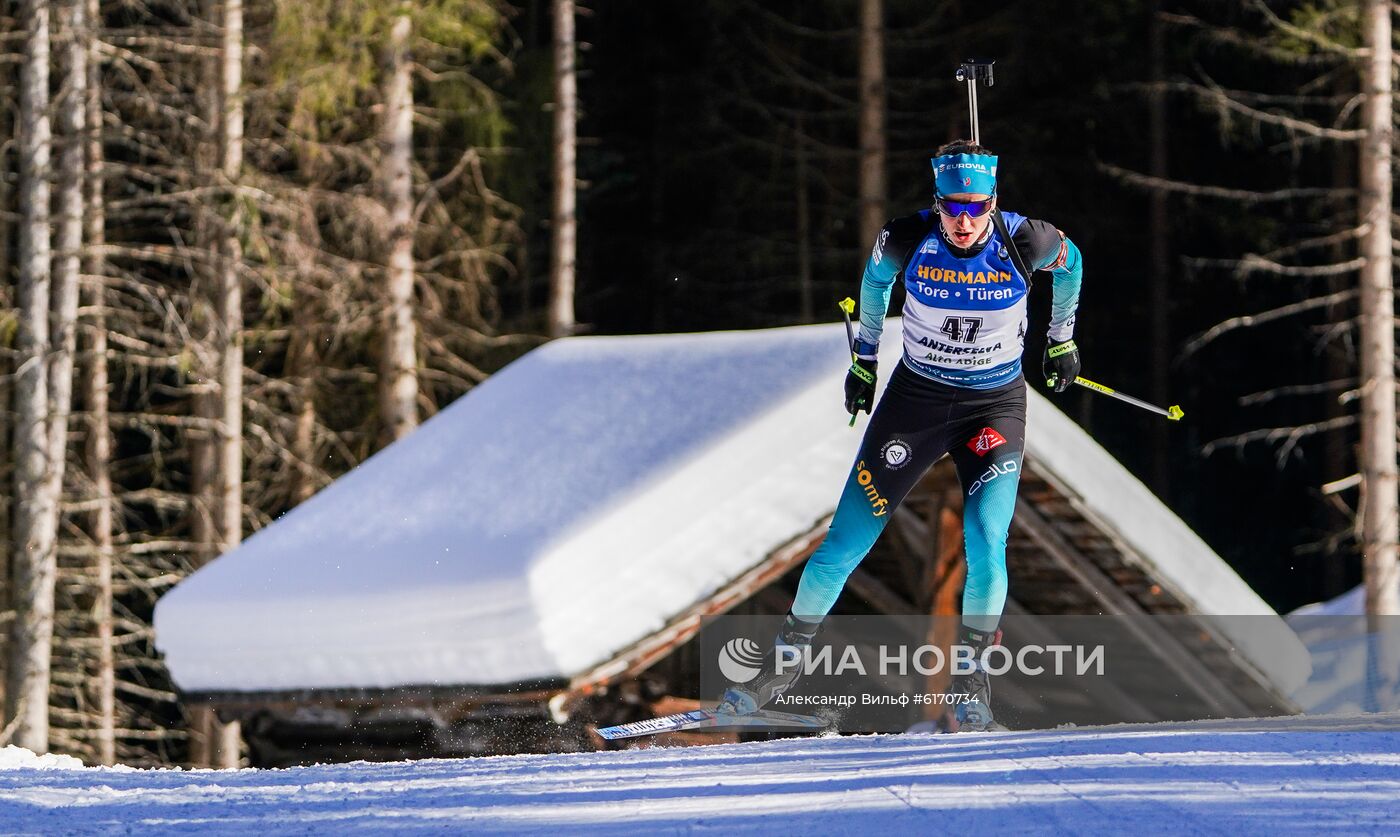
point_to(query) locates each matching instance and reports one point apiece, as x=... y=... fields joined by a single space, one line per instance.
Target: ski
x=712 y=719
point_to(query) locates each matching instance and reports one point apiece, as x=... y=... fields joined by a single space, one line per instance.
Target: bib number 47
x=962 y=329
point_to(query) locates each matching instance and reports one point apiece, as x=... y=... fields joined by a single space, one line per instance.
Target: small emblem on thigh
x=983 y=443
x=896 y=454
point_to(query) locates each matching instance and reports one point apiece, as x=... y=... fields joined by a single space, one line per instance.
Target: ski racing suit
x=958 y=389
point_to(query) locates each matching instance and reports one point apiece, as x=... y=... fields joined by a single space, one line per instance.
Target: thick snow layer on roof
x=574 y=503
x=564 y=508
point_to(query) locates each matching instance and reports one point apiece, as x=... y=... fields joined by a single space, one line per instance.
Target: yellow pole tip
x=848 y=305
x=1175 y=413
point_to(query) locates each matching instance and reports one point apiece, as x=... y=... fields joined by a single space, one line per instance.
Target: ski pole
x=1173 y=413
x=848 y=307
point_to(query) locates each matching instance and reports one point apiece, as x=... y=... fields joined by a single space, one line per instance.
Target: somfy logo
x=740 y=660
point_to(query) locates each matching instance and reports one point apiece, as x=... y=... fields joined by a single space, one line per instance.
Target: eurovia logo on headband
x=954 y=173
x=980 y=168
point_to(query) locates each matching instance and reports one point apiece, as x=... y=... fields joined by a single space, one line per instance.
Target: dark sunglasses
x=974 y=209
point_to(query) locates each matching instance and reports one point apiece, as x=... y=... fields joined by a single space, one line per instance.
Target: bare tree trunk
x=230 y=286
x=303 y=446
x=7 y=218
x=63 y=335
x=204 y=533
x=872 y=120
x=398 y=402
x=1158 y=249
x=563 y=251
x=7 y=206
x=301 y=368
x=99 y=435
x=1339 y=452
x=34 y=564
x=804 y=228
x=203 y=438
x=224 y=739
x=1380 y=526
x=204 y=475
x=71 y=110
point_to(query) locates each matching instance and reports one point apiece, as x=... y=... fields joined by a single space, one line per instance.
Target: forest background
x=298 y=295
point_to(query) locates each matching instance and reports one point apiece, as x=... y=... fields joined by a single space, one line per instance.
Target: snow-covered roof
x=572 y=504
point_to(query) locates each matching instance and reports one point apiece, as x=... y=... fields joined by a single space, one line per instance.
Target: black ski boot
x=745 y=698
x=972 y=711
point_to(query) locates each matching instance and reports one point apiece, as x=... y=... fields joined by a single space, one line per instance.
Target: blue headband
x=957 y=174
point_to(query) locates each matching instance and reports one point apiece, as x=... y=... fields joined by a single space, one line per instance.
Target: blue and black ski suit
x=958 y=390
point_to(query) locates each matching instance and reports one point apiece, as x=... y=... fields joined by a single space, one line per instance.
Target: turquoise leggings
x=916 y=422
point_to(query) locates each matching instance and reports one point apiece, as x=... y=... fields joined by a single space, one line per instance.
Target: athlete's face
x=962 y=229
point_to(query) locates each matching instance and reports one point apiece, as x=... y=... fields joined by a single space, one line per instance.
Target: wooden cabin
x=536 y=560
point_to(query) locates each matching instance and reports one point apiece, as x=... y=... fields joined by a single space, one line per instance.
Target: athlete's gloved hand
x=860 y=386
x=1061 y=364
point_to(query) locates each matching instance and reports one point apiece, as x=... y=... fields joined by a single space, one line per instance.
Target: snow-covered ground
x=1227 y=777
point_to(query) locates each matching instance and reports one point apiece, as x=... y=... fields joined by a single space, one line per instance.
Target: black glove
x=860 y=386
x=1061 y=365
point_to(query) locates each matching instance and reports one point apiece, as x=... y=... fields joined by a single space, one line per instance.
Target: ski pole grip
x=848 y=306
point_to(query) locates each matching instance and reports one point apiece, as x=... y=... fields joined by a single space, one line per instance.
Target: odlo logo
x=740 y=660
x=879 y=252
x=998 y=469
x=878 y=504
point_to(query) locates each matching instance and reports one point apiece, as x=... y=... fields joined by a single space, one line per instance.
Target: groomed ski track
x=1268 y=776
